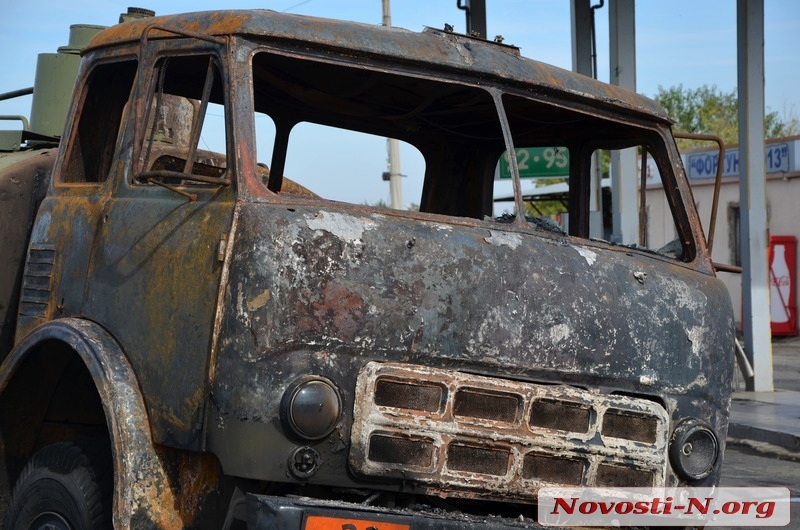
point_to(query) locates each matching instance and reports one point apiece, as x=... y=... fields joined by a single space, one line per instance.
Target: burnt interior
x=454 y=123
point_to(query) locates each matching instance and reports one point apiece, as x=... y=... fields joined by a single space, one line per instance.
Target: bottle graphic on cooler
x=779 y=286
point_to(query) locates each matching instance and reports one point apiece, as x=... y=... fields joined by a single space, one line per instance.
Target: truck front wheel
x=64 y=486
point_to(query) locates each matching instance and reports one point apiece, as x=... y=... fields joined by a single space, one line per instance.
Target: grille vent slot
x=560 y=415
x=489 y=406
x=404 y=395
x=553 y=469
x=37 y=282
x=486 y=461
x=629 y=426
x=612 y=476
x=414 y=452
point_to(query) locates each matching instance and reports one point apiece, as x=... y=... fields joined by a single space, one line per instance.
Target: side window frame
x=98 y=123
x=159 y=54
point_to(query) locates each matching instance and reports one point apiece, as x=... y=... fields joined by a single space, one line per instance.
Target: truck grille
x=467 y=436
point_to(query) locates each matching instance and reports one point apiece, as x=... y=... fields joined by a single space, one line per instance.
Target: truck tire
x=64 y=486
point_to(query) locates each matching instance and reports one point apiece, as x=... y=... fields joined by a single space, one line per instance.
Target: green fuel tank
x=56 y=73
x=55 y=78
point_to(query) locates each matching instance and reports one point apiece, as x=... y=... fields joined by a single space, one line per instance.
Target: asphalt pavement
x=770 y=421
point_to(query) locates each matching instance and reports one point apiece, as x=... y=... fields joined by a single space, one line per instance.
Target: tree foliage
x=709 y=110
x=545 y=208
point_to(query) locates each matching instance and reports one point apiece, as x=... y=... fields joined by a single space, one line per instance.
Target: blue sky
x=688 y=42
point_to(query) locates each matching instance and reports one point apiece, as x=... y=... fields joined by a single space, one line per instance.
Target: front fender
x=142 y=494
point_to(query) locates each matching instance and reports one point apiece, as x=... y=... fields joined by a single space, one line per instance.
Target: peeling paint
x=259 y=301
x=696 y=334
x=587 y=254
x=559 y=333
x=510 y=240
x=347 y=227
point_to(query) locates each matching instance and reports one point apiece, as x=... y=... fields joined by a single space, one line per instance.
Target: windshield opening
x=449 y=134
x=570 y=161
x=322 y=125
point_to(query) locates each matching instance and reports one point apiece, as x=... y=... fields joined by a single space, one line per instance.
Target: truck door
x=157 y=260
x=60 y=245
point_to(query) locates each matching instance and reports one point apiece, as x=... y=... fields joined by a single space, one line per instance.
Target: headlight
x=693 y=450
x=311 y=407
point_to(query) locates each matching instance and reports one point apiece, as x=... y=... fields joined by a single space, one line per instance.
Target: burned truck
x=199 y=337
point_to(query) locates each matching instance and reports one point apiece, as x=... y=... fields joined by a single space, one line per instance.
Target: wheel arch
x=143 y=497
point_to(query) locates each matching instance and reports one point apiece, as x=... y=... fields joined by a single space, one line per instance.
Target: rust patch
x=198 y=477
x=338 y=310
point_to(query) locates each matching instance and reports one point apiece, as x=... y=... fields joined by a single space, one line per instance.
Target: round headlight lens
x=694 y=450
x=311 y=408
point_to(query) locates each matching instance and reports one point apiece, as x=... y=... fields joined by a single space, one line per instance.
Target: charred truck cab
x=209 y=340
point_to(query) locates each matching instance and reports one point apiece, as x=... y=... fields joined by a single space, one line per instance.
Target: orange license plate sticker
x=318 y=522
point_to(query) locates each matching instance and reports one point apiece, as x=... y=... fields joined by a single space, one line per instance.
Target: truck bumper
x=266 y=512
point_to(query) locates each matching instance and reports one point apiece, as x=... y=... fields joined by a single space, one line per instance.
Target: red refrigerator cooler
x=783 y=285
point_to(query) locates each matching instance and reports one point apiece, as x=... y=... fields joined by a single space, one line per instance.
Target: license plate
x=318 y=522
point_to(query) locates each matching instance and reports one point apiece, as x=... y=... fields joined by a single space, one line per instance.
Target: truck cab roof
x=432 y=49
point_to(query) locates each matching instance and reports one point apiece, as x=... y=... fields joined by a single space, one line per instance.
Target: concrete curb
x=764 y=449
x=739 y=432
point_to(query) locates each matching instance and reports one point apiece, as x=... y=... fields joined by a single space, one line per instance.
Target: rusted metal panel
x=24 y=178
x=324 y=290
x=336 y=276
x=70 y=245
x=155 y=276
